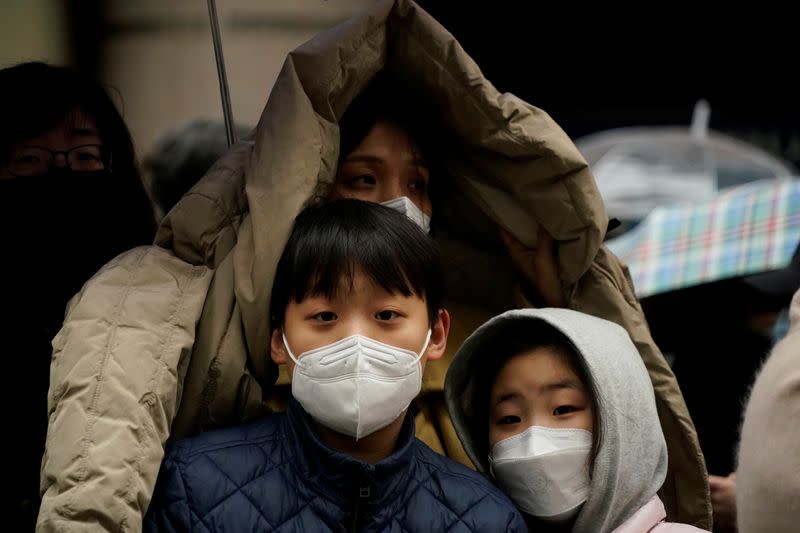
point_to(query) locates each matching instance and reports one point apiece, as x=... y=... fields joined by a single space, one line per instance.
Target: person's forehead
x=76 y=128
x=80 y=123
x=387 y=138
x=363 y=284
x=357 y=287
x=535 y=368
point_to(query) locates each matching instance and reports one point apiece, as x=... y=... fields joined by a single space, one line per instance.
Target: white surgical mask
x=404 y=205
x=544 y=470
x=357 y=385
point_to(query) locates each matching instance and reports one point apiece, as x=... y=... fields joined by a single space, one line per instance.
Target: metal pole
x=223 y=79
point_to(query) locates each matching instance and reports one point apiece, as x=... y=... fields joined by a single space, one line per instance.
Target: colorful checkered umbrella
x=746 y=230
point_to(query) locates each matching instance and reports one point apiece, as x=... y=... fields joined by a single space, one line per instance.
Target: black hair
x=36 y=97
x=387 y=98
x=330 y=242
x=514 y=339
x=183 y=155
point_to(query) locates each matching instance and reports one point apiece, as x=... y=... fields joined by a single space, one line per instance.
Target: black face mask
x=58 y=229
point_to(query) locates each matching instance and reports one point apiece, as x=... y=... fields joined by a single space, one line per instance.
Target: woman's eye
x=386 y=315
x=27 y=159
x=564 y=410
x=325 y=316
x=418 y=185
x=509 y=419
x=363 y=180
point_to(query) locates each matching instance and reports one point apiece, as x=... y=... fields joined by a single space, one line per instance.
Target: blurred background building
x=157 y=57
x=590 y=70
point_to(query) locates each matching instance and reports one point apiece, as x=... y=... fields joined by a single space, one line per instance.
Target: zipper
x=363 y=496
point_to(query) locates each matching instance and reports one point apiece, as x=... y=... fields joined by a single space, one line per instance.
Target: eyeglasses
x=37 y=160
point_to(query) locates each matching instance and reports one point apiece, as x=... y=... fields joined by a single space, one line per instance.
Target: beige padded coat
x=173 y=339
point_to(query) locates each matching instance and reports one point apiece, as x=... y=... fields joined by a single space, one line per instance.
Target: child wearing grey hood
x=557 y=408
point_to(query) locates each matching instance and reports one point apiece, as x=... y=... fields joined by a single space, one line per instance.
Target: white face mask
x=357 y=385
x=404 y=205
x=545 y=471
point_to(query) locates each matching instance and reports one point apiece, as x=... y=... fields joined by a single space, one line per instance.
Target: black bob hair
x=331 y=242
x=36 y=97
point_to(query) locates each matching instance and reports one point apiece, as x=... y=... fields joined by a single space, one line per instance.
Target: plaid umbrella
x=746 y=230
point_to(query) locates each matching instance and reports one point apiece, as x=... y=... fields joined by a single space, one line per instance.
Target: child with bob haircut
x=356 y=312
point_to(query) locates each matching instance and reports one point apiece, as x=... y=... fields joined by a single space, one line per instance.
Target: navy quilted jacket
x=276 y=475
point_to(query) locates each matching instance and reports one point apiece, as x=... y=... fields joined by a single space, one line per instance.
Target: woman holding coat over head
x=170 y=340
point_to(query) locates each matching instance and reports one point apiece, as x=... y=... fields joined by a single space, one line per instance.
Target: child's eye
x=509 y=419
x=564 y=410
x=386 y=315
x=325 y=316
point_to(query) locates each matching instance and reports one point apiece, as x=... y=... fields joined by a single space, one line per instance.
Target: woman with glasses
x=71 y=199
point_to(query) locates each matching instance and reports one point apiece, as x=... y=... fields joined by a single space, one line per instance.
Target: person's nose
x=60 y=160
x=365 y=325
x=393 y=187
x=539 y=419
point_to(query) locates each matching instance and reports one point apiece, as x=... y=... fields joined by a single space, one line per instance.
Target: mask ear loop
x=424 y=346
x=289 y=350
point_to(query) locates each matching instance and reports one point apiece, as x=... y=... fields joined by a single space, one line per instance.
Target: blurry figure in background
x=70 y=200
x=713 y=278
x=718 y=334
x=781 y=328
x=766 y=323
x=181 y=156
x=768 y=498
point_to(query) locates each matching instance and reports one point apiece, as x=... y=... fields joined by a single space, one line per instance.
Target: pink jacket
x=650 y=519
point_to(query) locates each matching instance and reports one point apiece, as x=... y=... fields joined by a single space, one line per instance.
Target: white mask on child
x=357 y=385
x=404 y=205
x=545 y=471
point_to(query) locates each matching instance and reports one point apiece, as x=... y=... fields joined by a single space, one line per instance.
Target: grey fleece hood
x=631 y=461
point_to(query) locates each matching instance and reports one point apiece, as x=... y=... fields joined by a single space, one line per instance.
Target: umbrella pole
x=223 y=79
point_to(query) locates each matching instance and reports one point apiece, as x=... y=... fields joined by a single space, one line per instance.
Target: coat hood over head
x=506 y=163
x=631 y=461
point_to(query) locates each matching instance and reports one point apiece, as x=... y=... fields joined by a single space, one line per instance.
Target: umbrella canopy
x=639 y=169
x=747 y=230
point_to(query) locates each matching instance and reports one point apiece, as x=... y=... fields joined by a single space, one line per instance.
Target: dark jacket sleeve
x=517 y=524
x=169 y=510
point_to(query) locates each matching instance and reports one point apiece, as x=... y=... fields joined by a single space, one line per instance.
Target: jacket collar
x=645 y=519
x=340 y=476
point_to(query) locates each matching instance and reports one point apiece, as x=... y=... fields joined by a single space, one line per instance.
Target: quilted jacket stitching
x=100 y=381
